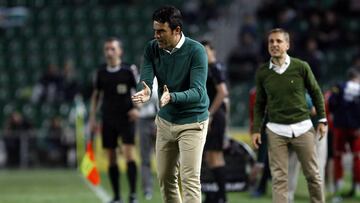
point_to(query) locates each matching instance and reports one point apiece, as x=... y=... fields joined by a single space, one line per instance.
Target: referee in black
x=218 y=92
x=114 y=83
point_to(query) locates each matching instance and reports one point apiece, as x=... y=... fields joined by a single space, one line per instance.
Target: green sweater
x=283 y=95
x=185 y=73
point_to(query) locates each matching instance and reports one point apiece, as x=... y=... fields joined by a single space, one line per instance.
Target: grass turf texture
x=58 y=186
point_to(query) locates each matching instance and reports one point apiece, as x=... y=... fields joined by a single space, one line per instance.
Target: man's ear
x=177 y=30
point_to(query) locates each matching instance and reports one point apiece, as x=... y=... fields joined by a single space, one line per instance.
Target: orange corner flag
x=88 y=166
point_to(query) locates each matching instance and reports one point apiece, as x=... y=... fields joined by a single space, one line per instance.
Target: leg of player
x=214 y=154
x=265 y=177
x=355 y=148
x=129 y=150
x=114 y=175
x=147 y=135
x=339 y=142
x=356 y=168
x=216 y=162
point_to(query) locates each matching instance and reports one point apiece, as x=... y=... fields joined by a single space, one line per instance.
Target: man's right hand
x=256 y=139
x=142 y=96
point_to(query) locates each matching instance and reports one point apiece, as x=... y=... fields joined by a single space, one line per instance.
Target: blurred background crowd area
x=49 y=51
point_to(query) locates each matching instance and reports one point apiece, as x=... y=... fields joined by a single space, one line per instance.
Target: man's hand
x=165 y=98
x=321 y=130
x=256 y=139
x=133 y=114
x=142 y=96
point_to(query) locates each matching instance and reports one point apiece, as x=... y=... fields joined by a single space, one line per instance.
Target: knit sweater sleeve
x=260 y=102
x=314 y=91
x=198 y=76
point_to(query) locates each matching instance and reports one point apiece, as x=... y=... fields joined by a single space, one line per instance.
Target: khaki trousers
x=179 y=149
x=294 y=166
x=305 y=149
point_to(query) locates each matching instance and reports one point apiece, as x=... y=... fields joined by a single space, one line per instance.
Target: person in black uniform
x=114 y=82
x=217 y=91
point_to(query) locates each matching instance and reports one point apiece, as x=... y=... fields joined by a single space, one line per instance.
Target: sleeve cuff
x=173 y=97
x=322 y=120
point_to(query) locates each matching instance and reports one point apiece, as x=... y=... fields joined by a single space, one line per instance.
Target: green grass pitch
x=67 y=186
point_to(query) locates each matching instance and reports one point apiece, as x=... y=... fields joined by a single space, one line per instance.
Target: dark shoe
x=221 y=201
x=210 y=197
x=349 y=194
x=133 y=199
x=116 y=201
x=257 y=194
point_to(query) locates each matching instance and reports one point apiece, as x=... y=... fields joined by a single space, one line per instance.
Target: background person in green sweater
x=180 y=66
x=281 y=86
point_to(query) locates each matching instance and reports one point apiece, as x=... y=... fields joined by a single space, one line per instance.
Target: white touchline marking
x=98 y=190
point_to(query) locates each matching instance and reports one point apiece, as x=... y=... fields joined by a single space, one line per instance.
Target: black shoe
x=221 y=201
x=349 y=194
x=116 y=201
x=257 y=194
x=210 y=197
x=133 y=199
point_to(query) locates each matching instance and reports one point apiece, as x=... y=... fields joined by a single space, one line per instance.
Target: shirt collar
x=285 y=65
x=113 y=69
x=179 y=44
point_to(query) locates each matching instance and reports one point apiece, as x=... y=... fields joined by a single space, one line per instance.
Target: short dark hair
x=114 y=39
x=280 y=30
x=169 y=14
x=207 y=43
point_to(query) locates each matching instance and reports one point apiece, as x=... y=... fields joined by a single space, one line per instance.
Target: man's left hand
x=165 y=98
x=321 y=130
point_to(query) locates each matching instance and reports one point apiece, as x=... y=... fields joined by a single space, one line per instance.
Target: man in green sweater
x=180 y=66
x=281 y=86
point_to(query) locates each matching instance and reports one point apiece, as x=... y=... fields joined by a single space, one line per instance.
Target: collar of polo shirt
x=285 y=65
x=113 y=69
x=178 y=46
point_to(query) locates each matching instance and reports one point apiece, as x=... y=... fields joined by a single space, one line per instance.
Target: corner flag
x=88 y=166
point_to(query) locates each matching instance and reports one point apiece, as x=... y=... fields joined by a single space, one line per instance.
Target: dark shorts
x=112 y=130
x=216 y=133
